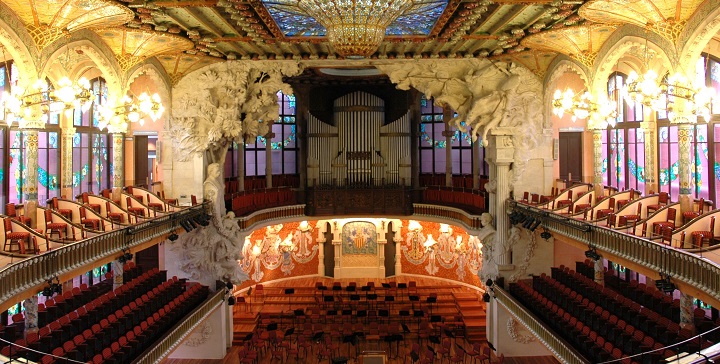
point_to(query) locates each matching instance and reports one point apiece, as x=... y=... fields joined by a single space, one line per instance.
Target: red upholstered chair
x=88 y=222
x=663 y=199
x=114 y=216
x=18 y=238
x=689 y=215
x=86 y=202
x=700 y=237
x=564 y=203
x=107 y=193
x=601 y=213
x=134 y=211
x=11 y=210
x=157 y=206
x=193 y=200
x=669 y=221
x=172 y=201
x=65 y=212
x=632 y=218
x=54 y=227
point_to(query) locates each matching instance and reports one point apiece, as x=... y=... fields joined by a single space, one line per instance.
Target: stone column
x=321 y=253
x=117 y=268
x=397 y=238
x=685 y=132
x=649 y=128
x=448 y=133
x=268 y=157
x=599 y=272
x=687 y=308
x=66 y=161
x=241 y=166
x=476 y=145
x=118 y=171
x=31 y=315
x=501 y=152
x=597 y=164
x=30 y=188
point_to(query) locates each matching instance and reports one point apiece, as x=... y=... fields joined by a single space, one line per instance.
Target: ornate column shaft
x=476 y=145
x=650 y=132
x=117 y=269
x=31 y=315
x=241 y=166
x=599 y=272
x=448 y=133
x=397 y=238
x=685 y=132
x=598 y=164
x=500 y=152
x=268 y=158
x=30 y=187
x=118 y=171
x=687 y=309
x=321 y=253
x=67 y=136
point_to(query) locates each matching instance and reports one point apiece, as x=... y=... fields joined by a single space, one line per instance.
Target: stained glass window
x=48 y=165
x=668 y=161
x=17 y=174
x=432 y=141
x=283 y=144
x=92 y=148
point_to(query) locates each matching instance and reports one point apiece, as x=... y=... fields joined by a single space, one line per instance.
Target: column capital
x=68 y=132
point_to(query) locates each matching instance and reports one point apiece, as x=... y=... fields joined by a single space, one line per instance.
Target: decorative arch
x=558 y=68
x=700 y=28
x=156 y=73
x=91 y=47
x=18 y=45
x=626 y=42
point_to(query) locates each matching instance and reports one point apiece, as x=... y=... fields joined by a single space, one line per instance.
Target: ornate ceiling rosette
x=132 y=46
x=48 y=20
x=578 y=42
x=536 y=61
x=180 y=64
x=664 y=17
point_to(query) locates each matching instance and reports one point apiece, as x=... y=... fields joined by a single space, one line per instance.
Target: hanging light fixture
x=676 y=95
x=355 y=28
x=583 y=106
x=32 y=107
x=130 y=109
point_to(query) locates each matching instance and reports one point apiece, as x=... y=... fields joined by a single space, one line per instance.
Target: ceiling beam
x=186 y=3
x=505 y=20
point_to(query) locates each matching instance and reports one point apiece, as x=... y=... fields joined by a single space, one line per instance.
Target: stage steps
x=473 y=311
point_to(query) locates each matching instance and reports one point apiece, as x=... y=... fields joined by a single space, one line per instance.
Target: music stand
x=272 y=326
x=288 y=292
x=289 y=332
x=386 y=285
x=365 y=288
x=318 y=336
x=371 y=297
x=413 y=299
x=435 y=318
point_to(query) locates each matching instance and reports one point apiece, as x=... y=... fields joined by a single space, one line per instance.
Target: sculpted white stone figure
x=489 y=269
x=212 y=189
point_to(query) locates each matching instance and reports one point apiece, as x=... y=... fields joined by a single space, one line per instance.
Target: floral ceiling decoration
x=132 y=46
x=579 y=42
x=278 y=249
x=180 y=64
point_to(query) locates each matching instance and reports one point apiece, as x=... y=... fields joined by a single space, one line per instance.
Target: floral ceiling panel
x=579 y=42
x=639 y=12
x=293 y=21
x=70 y=15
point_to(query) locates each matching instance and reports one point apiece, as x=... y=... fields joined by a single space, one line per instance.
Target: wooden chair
x=67 y=213
x=16 y=238
x=11 y=211
x=663 y=199
x=689 y=215
x=54 y=227
x=134 y=211
x=114 y=217
x=86 y=202
x=88 y=222
x=631 y=218
x=601 y=213
x=193 y=200
x=156 y=206
x=699 y=238
x=669 y=221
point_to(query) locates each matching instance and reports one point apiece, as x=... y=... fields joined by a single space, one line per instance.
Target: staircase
x=473 y=312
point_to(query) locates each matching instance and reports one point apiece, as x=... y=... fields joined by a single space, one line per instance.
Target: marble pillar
x=31 y=315
x=397 y=238
x=321 y=254
x=241 y=166
x=599 y=272
x=117 y=269
x=118 y=169
x=598 y=164
x=66 y=161
x=30 y=187
x=268 y=158
x=685 y=133
x=687 y=310
x=500 y=152
x=448 y=133
x=476 y=145
x=649 y=129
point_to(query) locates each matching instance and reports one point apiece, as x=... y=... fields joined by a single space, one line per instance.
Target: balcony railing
x=447 y=213
x=681 y=265
x=175 y=336
x=25 y=274
x=562 y=350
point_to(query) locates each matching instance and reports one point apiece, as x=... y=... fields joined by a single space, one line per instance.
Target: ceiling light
x=355 y=28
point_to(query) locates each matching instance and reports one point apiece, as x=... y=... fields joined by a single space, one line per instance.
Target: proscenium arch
x=698 y=32
x=607 y=60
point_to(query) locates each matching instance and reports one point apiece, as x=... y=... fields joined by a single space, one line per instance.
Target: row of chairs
x=259 y=199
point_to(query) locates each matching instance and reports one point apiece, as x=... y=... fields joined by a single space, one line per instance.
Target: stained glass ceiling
x=292 y=21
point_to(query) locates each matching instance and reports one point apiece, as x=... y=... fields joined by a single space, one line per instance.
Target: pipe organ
x=359 y=150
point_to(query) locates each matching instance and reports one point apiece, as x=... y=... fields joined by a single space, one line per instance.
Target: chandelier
x=130 y=109
x=582 y=106
x=355 y=28
x=31 y=108
x=675 y=95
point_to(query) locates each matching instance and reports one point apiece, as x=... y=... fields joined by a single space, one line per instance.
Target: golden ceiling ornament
x=355 y=28
x=580 y=42
x=536 y=61
x=48 y=20
x=664 y=17
x=180 y=64
x=132 y=46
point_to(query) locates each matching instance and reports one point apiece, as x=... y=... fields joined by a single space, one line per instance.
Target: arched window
x=624 y=145
x=92 y=147
x=283 y=146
